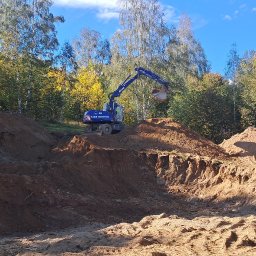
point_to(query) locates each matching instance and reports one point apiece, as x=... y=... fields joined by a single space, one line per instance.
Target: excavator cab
x=118 y=111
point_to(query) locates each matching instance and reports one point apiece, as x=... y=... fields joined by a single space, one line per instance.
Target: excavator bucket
x=160 y=94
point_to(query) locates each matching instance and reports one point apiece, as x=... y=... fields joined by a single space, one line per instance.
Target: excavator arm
x=158 y=94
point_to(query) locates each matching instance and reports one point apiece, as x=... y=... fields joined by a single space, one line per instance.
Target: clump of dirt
x=23 y=138
x=242 y=144
x=161 y=135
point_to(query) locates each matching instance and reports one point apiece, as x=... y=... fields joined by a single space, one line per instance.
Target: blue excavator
x=110 y=119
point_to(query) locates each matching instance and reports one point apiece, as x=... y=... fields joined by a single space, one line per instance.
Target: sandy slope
x=155 y=235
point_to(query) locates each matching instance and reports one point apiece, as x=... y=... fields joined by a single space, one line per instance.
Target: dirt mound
x=242 y=144
x=157 y=166
x=23 y=138
x=160 y=135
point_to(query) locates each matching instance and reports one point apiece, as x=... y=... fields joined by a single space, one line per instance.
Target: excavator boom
x=159 y=94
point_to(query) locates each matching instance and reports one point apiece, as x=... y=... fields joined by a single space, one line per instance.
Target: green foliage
x=27 y=42
x=28 y=27
x=66 y=58
x=141 y=41
x=64 y=127
x=185 y=54
x=207 y=108
x=7 y=81
x=247 y=82
x=35 y=83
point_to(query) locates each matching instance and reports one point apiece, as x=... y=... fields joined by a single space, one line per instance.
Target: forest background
x=47 y=81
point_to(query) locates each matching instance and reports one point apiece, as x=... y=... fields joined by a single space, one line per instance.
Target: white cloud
x=227 y=17
x=106 y=9
x=254 y=9
x=109 y=9
x=107 y=14
x=88 y=3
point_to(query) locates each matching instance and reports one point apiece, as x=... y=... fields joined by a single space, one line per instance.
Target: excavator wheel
x=105 y=129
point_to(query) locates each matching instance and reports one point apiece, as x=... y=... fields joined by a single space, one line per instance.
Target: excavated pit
x=159 y=166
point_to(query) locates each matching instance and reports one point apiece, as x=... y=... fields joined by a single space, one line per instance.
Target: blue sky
x=217 y=24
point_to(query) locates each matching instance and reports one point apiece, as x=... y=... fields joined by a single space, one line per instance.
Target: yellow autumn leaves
x=85 y=93
x=88 y=89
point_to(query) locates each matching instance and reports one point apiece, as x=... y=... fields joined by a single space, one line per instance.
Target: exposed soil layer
x=97 y=185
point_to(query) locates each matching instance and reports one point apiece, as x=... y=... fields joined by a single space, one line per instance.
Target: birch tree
x=91 y=48
x=185 y=54
x=27 y=32
x=231 y=73
x=141 y=41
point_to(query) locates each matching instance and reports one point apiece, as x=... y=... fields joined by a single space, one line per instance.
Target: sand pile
x=242 y=144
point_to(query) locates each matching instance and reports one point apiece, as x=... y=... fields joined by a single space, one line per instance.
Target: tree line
x=48 y=81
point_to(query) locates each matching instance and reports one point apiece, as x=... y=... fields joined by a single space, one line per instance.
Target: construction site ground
x=154 y=189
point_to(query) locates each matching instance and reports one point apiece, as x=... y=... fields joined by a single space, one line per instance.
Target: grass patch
x=66 y=127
